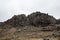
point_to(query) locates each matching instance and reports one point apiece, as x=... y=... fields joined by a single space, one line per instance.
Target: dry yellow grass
x=14 y=34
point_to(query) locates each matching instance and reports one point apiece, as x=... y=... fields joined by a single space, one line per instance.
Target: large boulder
x=17 y=20
x=38 y=18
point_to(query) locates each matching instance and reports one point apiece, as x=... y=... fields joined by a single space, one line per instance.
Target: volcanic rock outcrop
x=17 y=20
x=34 y=19
x=38 y=18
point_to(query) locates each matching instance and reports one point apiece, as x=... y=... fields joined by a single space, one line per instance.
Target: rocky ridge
x=32 y=27
x=34 y=19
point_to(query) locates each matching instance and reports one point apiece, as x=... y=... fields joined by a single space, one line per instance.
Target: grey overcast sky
x=8 y=8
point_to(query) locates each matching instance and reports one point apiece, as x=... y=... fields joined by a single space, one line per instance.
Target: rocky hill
x=34 y=19
x=35 y=26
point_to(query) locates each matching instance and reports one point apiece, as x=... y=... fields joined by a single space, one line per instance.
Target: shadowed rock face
x=1 y=23
x=35 y=19
x=58 y=21
x=17 y=20
x=38 y=18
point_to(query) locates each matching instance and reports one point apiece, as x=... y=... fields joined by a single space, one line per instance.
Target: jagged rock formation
x=34 y=19
x=17 y=20
x=38 y=18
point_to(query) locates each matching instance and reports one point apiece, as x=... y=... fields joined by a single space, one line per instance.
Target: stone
x=34 y=19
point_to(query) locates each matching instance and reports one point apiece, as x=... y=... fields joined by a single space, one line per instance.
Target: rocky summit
x=36 y=26
x=34 y=19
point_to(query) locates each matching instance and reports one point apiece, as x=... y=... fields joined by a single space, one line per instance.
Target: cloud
x=8 y=8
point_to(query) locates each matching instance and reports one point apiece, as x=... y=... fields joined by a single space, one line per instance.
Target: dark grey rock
x=38 y=18
x=34 y=19
x=58 y=21
x=17 y=20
